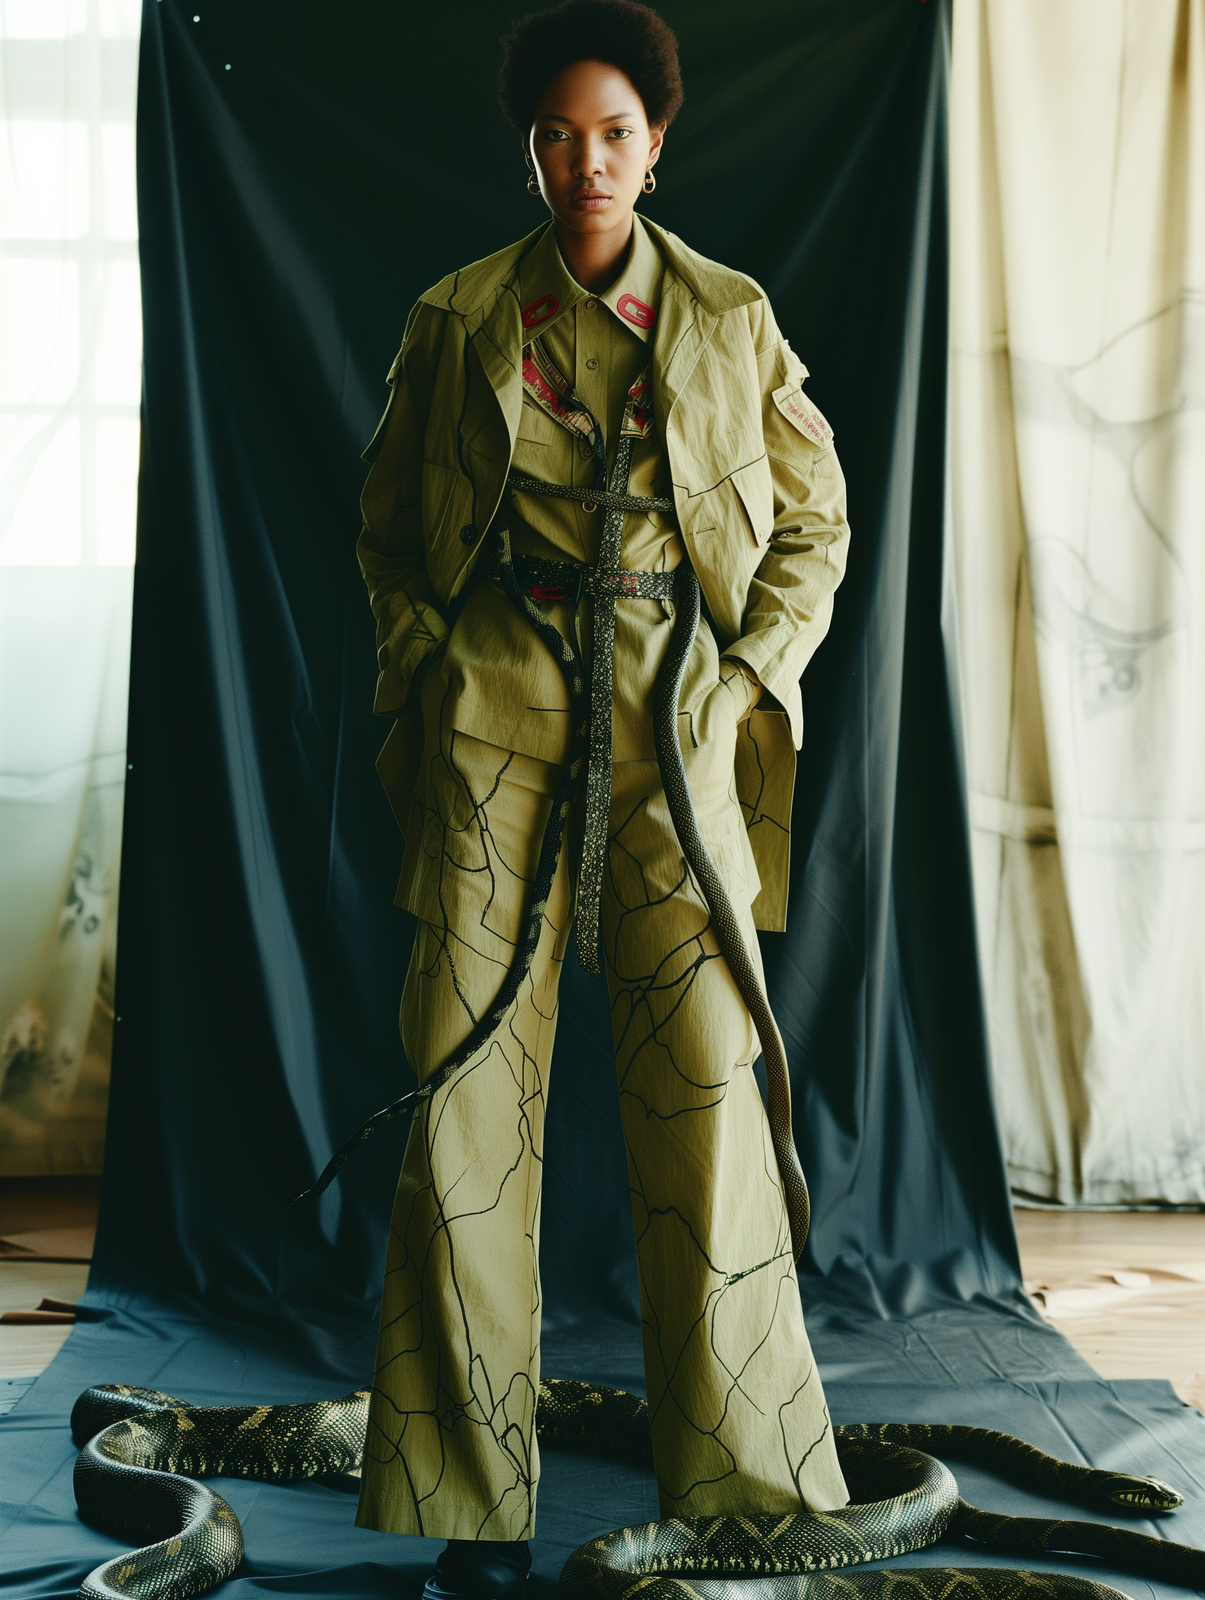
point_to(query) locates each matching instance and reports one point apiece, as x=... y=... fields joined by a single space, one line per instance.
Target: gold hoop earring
x=533 y=183
x=650 y=183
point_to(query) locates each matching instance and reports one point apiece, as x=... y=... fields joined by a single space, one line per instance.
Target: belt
x=607 y=583
x=591 y=499
x=545 y=579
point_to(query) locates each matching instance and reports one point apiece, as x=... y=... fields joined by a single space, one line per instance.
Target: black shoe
x=480 y=1569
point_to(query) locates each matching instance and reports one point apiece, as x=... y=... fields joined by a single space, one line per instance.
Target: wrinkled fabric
x=1078 y=568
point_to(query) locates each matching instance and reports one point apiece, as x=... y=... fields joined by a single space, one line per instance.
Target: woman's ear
x=656 y=136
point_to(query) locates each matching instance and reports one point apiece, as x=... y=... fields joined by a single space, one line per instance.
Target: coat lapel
x=497 y=335
x=682 y=337
x=696 y=291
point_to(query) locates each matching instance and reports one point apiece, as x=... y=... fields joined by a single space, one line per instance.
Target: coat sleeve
x=790 y=599
x=391 y=548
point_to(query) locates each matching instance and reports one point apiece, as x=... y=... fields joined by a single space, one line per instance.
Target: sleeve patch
x=802 y=414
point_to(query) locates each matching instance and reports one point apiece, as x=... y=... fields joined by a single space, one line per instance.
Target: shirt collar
x=547 y=290
x=635 y=296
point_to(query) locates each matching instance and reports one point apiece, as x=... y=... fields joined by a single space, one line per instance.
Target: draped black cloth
x=293 y=208
x=305 y=172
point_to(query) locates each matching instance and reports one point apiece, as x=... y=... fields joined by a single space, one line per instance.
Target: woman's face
x=592 y=145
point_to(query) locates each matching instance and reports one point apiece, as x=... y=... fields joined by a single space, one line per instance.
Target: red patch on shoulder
x=636 y=311
x=540 y=310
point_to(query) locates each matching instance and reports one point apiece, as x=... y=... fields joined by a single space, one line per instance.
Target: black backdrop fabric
x=301 y=182
x=305 y=172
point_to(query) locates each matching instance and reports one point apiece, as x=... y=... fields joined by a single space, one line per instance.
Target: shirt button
x=592 y=363
x=591 y=305
x=468 y=533
x=587 y=451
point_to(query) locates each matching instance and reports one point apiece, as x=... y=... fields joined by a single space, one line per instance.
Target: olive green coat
x=759 y=494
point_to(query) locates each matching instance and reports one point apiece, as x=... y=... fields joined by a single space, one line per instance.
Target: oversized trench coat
x=759 y=495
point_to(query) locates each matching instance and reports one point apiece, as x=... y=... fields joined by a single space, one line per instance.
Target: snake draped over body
x=142 y=1452
x=590 y=751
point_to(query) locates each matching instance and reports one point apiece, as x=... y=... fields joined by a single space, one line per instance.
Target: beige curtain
x=70 y=385
x=1077 y=562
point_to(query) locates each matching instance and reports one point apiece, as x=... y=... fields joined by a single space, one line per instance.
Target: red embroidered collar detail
x=540 y=310
x=552 y=392
x=635 y=311
x=638 y=412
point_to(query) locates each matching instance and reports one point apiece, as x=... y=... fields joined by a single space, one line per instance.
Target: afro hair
x=629 y=36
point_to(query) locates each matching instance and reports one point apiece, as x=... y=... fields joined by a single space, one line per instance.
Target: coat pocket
x=755 y=491
x=450 y=531
x=439 y=484
x=536 y=428
x=740 y=506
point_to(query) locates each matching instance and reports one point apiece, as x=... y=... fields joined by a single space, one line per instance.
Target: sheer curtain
x=70 y=384
x=1077 y=543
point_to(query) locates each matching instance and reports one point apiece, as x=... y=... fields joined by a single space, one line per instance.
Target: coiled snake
x=134 y=1478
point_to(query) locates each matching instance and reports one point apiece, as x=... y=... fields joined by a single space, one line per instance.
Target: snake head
x=1141 y=1494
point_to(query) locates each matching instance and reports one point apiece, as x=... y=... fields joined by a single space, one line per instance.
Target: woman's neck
x=595 y=260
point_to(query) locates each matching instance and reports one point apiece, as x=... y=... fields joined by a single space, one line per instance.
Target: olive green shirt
x=504 y=685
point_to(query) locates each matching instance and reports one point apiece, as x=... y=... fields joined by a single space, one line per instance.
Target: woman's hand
x=742 y=681
x=431 y=662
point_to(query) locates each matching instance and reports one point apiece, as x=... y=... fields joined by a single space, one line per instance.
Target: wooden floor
x=1126 y=1288
x=47 y=1226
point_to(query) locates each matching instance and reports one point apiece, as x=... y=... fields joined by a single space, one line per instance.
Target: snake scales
x=142 y=1451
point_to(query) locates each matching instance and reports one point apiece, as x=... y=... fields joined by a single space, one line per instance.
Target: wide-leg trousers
x=738 y=1418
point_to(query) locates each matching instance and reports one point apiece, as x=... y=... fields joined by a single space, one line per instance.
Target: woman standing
x=576 y=424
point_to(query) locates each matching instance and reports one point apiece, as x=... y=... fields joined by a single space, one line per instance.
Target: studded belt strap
x=608 y=499
x=608 y=584
x=569 y=580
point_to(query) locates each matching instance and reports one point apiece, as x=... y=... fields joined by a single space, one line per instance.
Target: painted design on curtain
x=1077 y=432
x=70 y=440
x=1107 y=626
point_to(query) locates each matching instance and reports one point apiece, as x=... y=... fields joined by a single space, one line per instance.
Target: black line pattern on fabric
x=752 y=808
x=464 y=1390
x=663 y=999
x=464 y=470
x=446 y=1388
x=488 y=1402
x=727 y=478
x=754 y=815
